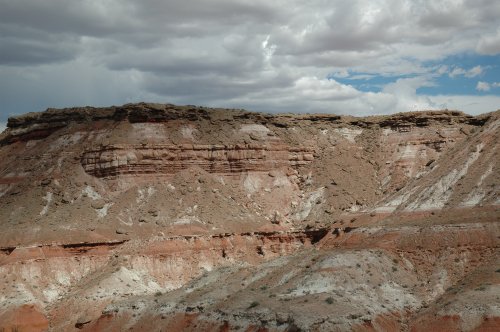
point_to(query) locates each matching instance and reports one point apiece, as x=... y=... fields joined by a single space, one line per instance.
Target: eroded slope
x=131 y=216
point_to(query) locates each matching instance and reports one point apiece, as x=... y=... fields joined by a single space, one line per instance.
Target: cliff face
x=92 y=158
x=119 y=160
x=169 y=198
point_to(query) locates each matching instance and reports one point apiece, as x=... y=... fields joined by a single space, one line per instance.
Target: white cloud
x=442 y=70
x=312 y=94
x=483 y=86
x=473 y=72
x=341 y=73
x=469 y=104
x=456 y=71
x=2 y=126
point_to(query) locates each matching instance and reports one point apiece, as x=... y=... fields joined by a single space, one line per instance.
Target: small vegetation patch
x=253 y=304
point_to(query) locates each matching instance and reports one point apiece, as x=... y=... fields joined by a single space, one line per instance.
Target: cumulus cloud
x=473 y=72
x=467 y=104
x=267 y=56
x=483 y=86
x=456 y=72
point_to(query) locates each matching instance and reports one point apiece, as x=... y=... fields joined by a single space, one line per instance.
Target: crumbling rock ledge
x=47 y=251
x=162 y=246
x=37 y=125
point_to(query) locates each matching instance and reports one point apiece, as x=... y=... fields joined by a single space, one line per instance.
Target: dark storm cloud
x=25 y=46
x=178 y=58
x=199 y=88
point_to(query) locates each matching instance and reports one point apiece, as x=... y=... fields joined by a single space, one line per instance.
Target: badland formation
x=149 y=217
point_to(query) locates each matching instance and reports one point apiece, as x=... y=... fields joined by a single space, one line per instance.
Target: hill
x=186 y=218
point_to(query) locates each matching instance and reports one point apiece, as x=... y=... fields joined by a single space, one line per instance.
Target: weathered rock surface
x=115 y=160
x=184 y=218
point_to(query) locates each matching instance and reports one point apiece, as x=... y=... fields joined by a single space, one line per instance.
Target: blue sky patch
x=461 y=74
x=368 y=82
x=464 y=72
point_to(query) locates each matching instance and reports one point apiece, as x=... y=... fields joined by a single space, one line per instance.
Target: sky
x=358 y=57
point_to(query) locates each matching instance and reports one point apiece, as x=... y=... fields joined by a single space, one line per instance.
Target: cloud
x=489 y=44
x=341 y=74
x=456 y=72
x=469 y=104
x=483 y=86
x=473 y=72
x=269 y=56
x=2 y=126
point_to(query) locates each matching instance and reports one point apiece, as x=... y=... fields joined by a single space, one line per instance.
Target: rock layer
x=113 y=160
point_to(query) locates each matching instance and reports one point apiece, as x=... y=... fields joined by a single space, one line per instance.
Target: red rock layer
x=26 y=318
x=114 y=160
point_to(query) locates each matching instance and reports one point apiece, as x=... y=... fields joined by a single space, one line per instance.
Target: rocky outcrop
x=375 y=279
x=425 y=119
x=114 y=160
x=457 y=172
x=38 y=125
x=127 y=268
x=411 y=151
x=400 y=121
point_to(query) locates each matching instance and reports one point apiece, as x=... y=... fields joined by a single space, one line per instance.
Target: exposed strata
x=411 y=152
x=460 y=180
x=147 y=209
x=113 y=160
x=132 y=267
x=387 y=282
x=42 y=124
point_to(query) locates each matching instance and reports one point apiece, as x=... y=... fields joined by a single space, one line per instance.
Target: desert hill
x=186 y=218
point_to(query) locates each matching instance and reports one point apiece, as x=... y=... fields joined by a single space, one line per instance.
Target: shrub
x=329 y=300
x=253 y=304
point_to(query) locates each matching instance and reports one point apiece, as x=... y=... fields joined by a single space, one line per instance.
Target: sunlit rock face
x=148 y=216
